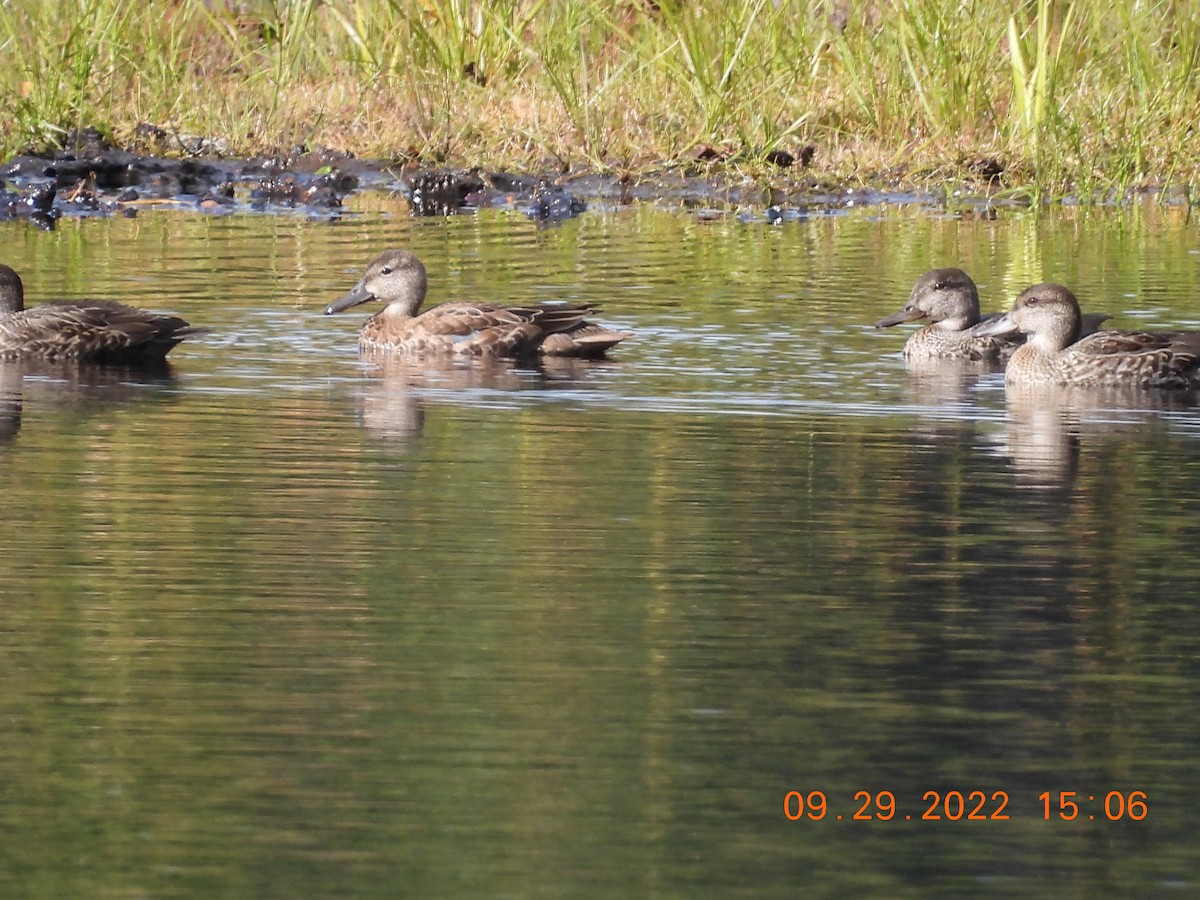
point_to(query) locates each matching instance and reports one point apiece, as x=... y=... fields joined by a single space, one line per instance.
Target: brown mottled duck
x=949 y=299
x=1048 y=314
x=397 y=279
x=92 y=331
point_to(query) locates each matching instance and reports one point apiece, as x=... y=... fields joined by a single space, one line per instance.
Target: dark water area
x=282 y=623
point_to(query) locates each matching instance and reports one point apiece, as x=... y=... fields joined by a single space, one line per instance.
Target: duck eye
x=1031 y=301
x=386 y=270
x=940 y=285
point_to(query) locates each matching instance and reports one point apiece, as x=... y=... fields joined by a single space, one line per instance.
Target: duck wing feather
x=91 y=330
x=1140 y=357
x=485 y=328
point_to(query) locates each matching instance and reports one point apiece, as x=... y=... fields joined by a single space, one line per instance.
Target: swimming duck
x=397 y=278
x=94 y=331
x=949 y=299
x=1048 y=314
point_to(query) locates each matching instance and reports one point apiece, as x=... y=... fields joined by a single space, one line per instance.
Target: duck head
x=948 y=298
x=12 y=292
x=1048 y=314
x=395 y=277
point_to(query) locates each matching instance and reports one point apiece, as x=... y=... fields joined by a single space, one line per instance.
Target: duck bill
x=905 y=315
x=358 y=294
x=997 y=325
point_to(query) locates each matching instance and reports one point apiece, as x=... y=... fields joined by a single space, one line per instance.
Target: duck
x=459 y=328
x=948 y=298
x=1048 y=315
x=88 y=331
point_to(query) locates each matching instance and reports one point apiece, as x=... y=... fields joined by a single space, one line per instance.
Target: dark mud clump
x=986 y=167
x=552 y=203
x=439 y=193
x=36 y=205
x=91 y=177
x=293 y=193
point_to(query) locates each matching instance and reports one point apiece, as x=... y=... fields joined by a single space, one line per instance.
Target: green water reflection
x=287 y=626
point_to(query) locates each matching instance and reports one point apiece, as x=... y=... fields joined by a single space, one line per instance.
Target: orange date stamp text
x=968 y=806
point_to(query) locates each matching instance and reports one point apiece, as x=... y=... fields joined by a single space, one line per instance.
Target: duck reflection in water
x=1063 y=391
x=12 y=383
x=1047 y=426
x=392 y=400
x=460 y=347
x=942 y=384
x=84 y=386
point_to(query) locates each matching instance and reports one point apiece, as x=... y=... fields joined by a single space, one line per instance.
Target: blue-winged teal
x=1048 y=314
x=94 y=331
x=397 y=278
x=949 y=299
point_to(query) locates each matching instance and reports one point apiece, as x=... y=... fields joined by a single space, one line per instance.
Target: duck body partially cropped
x=1048 y=315
x=949 y=299
x=398 y=279
x=91 y=331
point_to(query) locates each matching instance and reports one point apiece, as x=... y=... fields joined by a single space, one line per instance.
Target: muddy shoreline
x=95 y=178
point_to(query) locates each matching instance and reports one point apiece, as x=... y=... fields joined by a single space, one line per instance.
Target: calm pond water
x=286 y=625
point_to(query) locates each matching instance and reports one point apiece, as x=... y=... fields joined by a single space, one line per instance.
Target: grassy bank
x=1085 y=96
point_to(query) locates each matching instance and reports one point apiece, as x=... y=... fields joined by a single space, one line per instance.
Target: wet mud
x=94 y=178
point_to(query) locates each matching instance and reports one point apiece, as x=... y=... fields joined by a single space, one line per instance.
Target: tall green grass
x=1085 y=96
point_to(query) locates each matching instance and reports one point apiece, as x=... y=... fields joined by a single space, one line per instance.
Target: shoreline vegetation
x=1040 y=100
